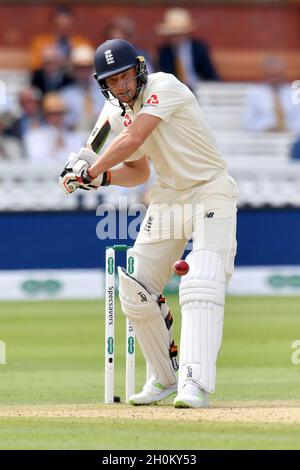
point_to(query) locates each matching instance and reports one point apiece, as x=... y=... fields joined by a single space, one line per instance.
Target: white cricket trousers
x=206 y=213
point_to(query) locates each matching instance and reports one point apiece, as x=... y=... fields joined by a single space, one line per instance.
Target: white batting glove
x=75 y=173
x=71 y=177
x=87 y=155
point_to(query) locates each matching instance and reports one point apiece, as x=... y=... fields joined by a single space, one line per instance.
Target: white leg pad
x=202 y=298
x=149 y=326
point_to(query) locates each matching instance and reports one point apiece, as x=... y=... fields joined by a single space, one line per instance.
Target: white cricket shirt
x=182 y=148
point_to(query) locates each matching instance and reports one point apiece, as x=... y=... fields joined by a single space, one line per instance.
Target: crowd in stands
x=62 y=101
x=59 y=107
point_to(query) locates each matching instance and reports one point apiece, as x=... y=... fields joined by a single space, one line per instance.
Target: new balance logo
x=189 y=374
x=109 y=57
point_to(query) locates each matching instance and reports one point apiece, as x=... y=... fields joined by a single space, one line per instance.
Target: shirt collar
x=139 y=101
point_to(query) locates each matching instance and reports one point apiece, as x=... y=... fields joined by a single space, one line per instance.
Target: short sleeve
x=163 y=98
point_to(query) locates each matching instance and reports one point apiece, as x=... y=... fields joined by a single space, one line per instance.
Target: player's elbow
x=141 y=170
x=146 y=172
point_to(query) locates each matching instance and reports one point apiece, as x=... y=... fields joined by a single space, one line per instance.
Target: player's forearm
x=119 y=150
x=128 y=176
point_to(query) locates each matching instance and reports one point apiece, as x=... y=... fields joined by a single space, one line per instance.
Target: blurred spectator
x=10 y=149
x=186 y=58
x=122 y=27
x=269 y=106
x=52 y=143
x=52 y=76
x=83 y=99
x=61 y=36
x=31 y=116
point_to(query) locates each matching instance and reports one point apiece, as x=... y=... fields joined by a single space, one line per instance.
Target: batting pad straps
x=149 y=326
x=202 y=289
x=205 y=280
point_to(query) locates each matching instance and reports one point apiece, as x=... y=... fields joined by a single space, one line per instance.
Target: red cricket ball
x=181 y=267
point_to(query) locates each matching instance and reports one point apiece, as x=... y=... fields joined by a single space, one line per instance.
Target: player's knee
x=137 y=303
x=205 y=280
x=150 y=271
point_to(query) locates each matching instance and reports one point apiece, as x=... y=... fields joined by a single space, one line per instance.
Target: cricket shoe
x=191 y=396
x=152 y=392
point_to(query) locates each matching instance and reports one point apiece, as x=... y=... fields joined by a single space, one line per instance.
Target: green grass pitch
x=55 y=358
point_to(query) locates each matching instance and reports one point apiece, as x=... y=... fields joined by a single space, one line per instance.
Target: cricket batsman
x=157 y=117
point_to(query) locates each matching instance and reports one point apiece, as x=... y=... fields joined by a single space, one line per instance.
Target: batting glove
x=75 y=173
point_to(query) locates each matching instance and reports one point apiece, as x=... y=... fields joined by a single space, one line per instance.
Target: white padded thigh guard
x=149 y=326
x=202 y=298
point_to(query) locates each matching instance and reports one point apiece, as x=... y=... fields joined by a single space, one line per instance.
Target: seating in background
x=259 y=162
x=274 y=146
x=223 y=103
x=240 y=65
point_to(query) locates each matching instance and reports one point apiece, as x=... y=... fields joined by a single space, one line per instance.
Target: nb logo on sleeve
x=153 y=100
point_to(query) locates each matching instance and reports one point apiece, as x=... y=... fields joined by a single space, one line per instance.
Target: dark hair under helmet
x=116 y=56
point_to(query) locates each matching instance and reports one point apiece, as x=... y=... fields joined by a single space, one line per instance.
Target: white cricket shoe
x=152 y=393
x=191 y=396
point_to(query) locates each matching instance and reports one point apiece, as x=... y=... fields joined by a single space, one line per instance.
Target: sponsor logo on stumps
x=131 y=345
x=130 y=266
x=110 y=265
x=110 y=345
